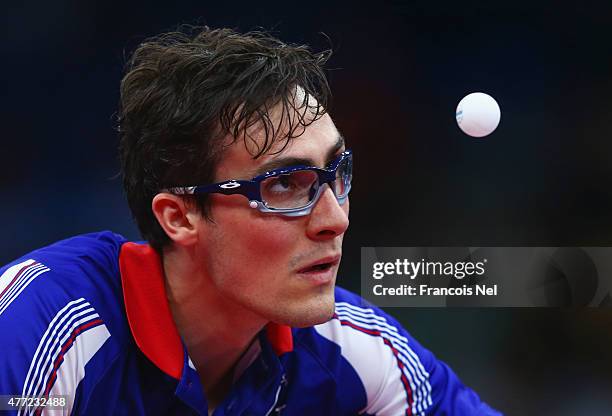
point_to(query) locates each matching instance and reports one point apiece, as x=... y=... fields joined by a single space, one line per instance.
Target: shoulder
x=397 y=374
x=59 y=306
x=83 y=251
x=84 y=266
x=355 y=319
x=390 y=364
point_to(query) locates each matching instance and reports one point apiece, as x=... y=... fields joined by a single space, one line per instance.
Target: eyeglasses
x=291 y=191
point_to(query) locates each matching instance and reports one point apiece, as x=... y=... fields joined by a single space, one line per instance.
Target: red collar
x=149 y=315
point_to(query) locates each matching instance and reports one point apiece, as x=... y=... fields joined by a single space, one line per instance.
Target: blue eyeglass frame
x=251 y=188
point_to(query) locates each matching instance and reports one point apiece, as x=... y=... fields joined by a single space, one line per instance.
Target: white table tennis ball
x=478 y=114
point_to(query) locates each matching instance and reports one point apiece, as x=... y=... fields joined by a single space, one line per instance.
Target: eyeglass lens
x=297 y=189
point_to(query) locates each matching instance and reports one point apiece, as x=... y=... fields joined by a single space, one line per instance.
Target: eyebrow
x=284 y=162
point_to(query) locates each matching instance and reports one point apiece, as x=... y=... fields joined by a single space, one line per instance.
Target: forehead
x=315 y=144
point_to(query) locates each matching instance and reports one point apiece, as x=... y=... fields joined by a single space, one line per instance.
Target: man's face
x=264 y=262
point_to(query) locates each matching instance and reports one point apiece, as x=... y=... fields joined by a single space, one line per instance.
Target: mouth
x=322 y=270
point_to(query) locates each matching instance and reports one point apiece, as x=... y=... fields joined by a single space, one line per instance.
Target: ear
x=177 y=218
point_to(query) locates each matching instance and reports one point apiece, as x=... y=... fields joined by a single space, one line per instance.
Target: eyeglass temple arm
x=231 y=187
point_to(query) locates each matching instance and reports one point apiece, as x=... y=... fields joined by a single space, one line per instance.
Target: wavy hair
x=185 y=92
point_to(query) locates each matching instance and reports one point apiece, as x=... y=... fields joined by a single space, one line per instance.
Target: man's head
x=218 y=105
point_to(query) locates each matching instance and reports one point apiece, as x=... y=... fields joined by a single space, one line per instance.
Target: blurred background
x=543 y=178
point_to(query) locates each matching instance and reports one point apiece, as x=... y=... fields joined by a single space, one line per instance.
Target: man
x=239 y=181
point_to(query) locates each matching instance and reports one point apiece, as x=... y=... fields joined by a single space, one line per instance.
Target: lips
x=321 y=265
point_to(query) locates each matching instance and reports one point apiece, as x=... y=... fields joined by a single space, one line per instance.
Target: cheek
x=247 y=247
x=252 y=231
x=268 y=239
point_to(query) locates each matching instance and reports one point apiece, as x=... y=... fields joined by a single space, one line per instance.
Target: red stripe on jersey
x=65 y=348
x=377 y=333
x=17 y=276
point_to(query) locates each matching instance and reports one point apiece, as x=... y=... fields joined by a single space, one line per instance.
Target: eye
x=289 y=190
x=280 y=184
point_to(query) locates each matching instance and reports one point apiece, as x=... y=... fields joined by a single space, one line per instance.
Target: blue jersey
x=87 y=319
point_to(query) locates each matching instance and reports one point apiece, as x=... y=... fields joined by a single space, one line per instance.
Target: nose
x=328 y=219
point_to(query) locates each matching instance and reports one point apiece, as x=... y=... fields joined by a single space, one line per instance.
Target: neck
x=215 y=330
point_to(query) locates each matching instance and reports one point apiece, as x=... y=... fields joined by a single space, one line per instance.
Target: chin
x=310 y=313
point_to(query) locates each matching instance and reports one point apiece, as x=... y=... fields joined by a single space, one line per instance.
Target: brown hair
x=186 y=90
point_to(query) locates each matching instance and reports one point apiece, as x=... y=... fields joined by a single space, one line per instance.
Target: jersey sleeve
x=400 y=377
x=54 y=332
